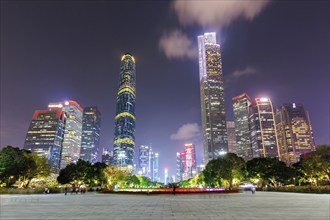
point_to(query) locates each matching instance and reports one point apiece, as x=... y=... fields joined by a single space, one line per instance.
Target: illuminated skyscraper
x=91 y=128
x=212 y=97
x=72 y=133
x=144 y=160
x=231 y=137
x=45 y=135
x=262 y=127
x=294 y=132
x=155 y=160
x=179 y=166
x=189 y=161
x=124 y=140
x=241 y=106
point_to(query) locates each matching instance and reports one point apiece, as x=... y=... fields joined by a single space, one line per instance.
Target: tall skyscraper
x=91 y=128
x=231 y=137
x=294 y=132
x=155 y=160
x=262 y=127
x=45 y=135
x=241 y=104
x=144 y=160
x=72 y=133
x=212 y=97
x=189 y=161
x=107 y=156
x=124 y=140
x=179 y=166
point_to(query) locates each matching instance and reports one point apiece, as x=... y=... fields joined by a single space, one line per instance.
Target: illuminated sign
x=55 y=106
x=264 y=100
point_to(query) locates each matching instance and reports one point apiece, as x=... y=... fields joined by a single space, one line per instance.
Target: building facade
x=180 y=166
x=294 y=132
x=241 y=105
x=262 y=127
x=231 y=137
x=45 y=135
x=124 y=138
x=145 y=157
x=212 y=97
x=107 y=156
x=155 y=173
x=72 y=132
x=189 y=161
x=90 y=139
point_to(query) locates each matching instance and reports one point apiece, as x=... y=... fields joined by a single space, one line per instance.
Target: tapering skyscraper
x=294 y=132
x=124 y=140
x=212 y=97
x=241 y=104
x=45 y=135
x=262 y=127
x=90 y=139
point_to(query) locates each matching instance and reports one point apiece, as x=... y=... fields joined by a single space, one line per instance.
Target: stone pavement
x=262 y=205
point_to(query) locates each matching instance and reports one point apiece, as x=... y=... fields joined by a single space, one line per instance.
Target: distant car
x=246 y=186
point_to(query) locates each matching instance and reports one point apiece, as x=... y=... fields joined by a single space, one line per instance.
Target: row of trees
x=21 y=165
x=229 y=169
x=100 y=174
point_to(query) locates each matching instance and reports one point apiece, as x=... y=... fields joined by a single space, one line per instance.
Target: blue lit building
x=124 y=140
x=90 y=139
x=45 y=135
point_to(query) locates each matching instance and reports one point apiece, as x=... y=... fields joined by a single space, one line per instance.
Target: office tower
x=262 y=127
x=144 y=160
x=107 y=156
x=241 y=104
x=72 y=132
x=212 y=97
x=45 y=135
x=124 y=138
x=91 y=128
x=189 y=161
x=179 y=166
x=166 y=176
x=294 y=132
x=155 y=176
x=231 y=136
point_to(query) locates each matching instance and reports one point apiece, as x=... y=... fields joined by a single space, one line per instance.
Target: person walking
x=66 y=190
x=253 y=189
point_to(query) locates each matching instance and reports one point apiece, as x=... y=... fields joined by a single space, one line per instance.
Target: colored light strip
x=124 y=140
x=127 y=55
x=124 y=114
x=126 y=89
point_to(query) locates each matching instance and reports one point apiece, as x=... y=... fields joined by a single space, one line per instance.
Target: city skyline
x=269 y=61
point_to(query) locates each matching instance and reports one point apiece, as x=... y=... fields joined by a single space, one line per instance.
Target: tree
x=113 y=175
x=269 y=170
x=76 y=174
x=315 y=166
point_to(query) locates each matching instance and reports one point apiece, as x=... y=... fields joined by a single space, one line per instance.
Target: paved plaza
x=262 y=205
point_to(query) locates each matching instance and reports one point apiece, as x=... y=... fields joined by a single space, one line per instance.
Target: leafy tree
x=76 y=174
x=113 y=175
x=269 y=170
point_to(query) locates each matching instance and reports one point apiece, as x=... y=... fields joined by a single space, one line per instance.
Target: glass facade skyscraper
x=212 y=97
x=124 y=138
x=91 y=128
x=45 y=135
x=231 y=137
x=179 y=166
x=155 y=161
x=262 y=128
x=145 y=154
x=241 y=104
x=294 y=132
x=72 y=133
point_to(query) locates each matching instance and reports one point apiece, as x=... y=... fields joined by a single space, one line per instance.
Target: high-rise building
x=72 y=133
x=241 y=104
x=294 y=132
x=145 y=154
x=107 y=156
x=262 y=127
x=189 y=161
x=212 y=97
x=124 y=138
x=179 y=166
x=231 y=137
x=91 y=128
x=166 y=180
x=155 y=160
x=45 y=135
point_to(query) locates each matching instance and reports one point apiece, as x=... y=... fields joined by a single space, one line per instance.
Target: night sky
x=58 y=50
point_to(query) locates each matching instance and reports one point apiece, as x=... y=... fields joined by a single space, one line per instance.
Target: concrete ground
x=262 y=205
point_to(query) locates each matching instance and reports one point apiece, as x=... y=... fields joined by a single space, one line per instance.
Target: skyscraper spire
x=124 y=140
